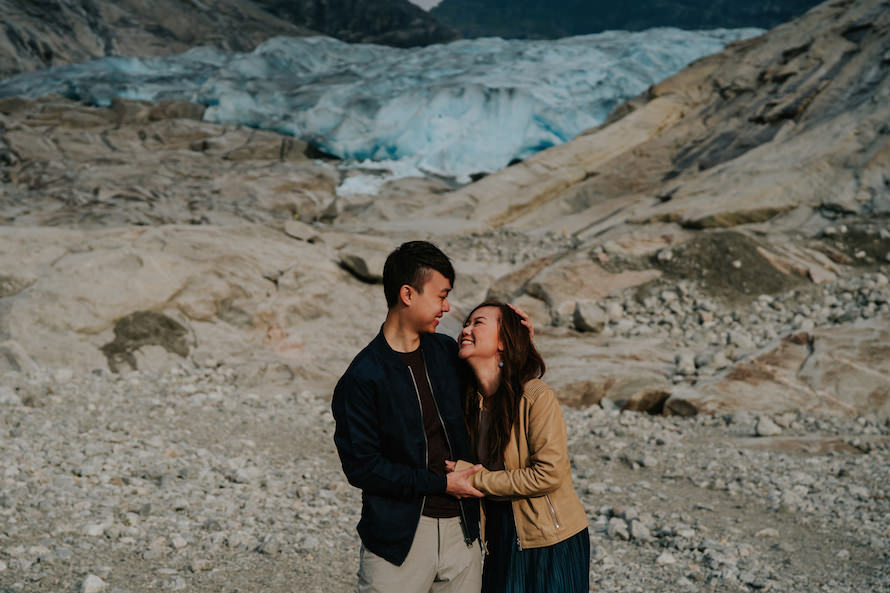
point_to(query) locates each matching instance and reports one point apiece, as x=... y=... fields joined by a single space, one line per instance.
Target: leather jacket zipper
x=552 y=510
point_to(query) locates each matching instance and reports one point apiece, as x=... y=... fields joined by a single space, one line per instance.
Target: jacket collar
x=387 y=354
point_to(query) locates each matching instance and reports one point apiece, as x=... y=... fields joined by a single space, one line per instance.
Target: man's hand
x=524 y=319
x=459 y=483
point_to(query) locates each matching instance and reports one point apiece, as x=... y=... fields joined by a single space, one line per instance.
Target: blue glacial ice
x=466 y=107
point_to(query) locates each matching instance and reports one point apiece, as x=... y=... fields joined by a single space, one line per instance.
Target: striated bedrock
x=149 y=297
x=842 y=370
x=38 y=35
x=67 y=164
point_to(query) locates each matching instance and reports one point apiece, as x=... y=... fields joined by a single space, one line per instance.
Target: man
x=398 y=418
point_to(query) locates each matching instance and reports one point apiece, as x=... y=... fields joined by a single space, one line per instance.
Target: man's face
x=428 y=305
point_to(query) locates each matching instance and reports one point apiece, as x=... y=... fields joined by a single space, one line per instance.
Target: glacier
x=452 y=110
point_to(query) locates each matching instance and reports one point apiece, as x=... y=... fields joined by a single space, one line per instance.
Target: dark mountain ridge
x=38 y=34
x=540 y=19
x=387 y=22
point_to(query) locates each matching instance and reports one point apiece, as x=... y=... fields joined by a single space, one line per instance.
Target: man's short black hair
x=411 y=264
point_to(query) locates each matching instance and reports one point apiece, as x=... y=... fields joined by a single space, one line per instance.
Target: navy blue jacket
x=382 y=444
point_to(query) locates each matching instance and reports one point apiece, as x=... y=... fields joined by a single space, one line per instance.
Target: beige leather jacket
x=538 y=477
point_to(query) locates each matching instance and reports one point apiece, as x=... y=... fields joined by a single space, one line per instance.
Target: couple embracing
x=427 y=428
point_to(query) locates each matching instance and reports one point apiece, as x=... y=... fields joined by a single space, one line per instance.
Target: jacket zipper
x=426 y=445
x=552 y=510
x=463 y=516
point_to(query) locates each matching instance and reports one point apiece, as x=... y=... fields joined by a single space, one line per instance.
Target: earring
x=501 y=364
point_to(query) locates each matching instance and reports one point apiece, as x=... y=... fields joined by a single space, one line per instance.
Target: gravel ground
x=184 y=481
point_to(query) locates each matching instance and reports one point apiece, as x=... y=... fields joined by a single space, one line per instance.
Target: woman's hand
x=525 y=320
x=449 y=466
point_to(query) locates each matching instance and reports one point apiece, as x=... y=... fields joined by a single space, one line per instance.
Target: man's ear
x=406 y=294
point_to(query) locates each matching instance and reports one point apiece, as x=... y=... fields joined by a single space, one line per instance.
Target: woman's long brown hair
x=522 y=362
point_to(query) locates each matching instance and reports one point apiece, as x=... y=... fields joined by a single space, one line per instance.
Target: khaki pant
x=439 y=561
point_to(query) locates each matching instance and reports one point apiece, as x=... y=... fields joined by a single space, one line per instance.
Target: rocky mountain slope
x=55 y=32
x=534 y=19
x=789 y=128
x=735 y=174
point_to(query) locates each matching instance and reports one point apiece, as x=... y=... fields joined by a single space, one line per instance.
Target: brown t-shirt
x=437 y=505
x=490 y=463
x=482 y=442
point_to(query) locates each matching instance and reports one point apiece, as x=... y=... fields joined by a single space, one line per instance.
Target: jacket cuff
x=461 y=465
x=435 y=484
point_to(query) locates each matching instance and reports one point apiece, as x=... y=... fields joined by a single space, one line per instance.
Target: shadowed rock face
x=48 y=33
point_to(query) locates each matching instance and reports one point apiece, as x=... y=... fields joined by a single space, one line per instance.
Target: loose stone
x=92 y=584
x=617 y=528
x=766 y=427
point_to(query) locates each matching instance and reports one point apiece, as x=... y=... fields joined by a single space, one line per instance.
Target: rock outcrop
x=786 y=128
x=152 y=297
x=838 y=370
x=137 y=164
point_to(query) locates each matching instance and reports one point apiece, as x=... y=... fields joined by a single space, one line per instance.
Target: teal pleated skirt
x=561 y=568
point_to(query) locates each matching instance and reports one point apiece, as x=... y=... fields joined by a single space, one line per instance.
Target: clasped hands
x=459 y=485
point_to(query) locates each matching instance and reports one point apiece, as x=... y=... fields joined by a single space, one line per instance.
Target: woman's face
x=479 y=338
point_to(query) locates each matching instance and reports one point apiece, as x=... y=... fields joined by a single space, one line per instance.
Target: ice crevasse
x=470 y=106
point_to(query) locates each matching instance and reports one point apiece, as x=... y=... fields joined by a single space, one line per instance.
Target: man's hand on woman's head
x=526 y=320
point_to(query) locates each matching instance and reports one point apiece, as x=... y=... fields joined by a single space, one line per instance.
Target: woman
x=534 y=525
